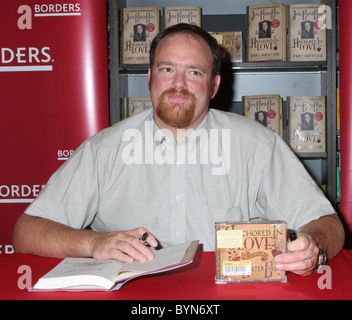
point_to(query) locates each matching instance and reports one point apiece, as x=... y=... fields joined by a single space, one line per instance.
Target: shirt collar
x=160 y=137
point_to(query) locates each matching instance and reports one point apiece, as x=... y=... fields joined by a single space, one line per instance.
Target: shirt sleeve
x=287 y=191
x=71 y=195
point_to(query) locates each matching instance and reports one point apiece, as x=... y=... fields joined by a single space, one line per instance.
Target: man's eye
x=195 y=73
x=166 y=69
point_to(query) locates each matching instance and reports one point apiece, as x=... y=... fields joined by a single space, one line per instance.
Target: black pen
x=293 y=235
x=143 y=239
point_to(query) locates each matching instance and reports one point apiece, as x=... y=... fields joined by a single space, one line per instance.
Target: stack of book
x=306 y=115
x=295 y=32
x=139 y=26
x=275 y=32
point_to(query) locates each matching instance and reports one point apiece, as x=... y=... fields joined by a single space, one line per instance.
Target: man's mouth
x=175 y=97
x=178 y=96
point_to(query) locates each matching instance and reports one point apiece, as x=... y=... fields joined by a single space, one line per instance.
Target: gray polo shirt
x=133 y=175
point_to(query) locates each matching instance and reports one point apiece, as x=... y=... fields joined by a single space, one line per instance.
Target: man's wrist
x=322 y=257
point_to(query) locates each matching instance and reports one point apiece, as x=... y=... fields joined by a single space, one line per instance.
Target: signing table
x=193 y=282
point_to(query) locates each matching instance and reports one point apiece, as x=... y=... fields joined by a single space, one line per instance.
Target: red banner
x=345 y=11
x=54 y=93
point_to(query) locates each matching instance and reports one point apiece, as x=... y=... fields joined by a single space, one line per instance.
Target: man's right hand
x=124 y=246
x=47 y=238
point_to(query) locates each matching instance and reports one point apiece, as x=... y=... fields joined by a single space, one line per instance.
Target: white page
x=164 y=257
x=78 y=271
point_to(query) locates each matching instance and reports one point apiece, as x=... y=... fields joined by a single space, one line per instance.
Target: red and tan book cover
x=307 y=124
x=245 y=251
x=266 y=32
x=139 y=26
x=306 y=32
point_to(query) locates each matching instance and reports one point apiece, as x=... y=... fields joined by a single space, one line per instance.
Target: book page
x=166 y=257
x=75 y=271
x=89 y=272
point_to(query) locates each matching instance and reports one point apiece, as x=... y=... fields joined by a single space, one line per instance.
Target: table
x=192 y=282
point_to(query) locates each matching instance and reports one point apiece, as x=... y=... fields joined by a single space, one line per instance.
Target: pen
x=143 y=239
x=293 y=235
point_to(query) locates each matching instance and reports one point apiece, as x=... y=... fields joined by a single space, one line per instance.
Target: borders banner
x=54 y=93
x=345 y=13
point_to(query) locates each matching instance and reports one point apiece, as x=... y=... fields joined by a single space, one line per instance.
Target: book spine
x=247 y=33
x=284 y=36
x=243 y=105
x=163 y=19
x=288 y=99
x=288 y=33
x=121 y=36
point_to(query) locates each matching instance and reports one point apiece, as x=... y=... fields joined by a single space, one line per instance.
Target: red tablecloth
x=193 y=282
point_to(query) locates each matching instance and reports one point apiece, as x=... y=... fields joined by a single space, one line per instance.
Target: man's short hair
x=194 y=31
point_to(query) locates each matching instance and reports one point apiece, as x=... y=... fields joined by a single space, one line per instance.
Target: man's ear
x=149 y=77
x=216 y=86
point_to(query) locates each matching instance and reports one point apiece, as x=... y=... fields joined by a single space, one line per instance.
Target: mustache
x=184 y=92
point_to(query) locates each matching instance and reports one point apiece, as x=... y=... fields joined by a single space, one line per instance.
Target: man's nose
x=179 y=81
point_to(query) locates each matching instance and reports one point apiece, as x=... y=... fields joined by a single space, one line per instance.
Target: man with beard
x=109 y=187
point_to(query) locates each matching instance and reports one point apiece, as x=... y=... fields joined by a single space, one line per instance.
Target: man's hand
x=124 y=246
x=47 y=238
x=301 y=256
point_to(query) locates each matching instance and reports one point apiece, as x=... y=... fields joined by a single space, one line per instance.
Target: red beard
x=176 y=114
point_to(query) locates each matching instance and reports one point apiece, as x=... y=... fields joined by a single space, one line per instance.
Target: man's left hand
x=301 y=257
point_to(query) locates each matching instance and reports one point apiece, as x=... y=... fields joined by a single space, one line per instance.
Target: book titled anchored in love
x=88 y=274
x=245 y=251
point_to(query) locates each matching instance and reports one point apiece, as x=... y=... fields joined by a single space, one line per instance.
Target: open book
x=88 y=274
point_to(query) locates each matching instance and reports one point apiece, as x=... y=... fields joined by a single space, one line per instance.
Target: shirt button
x=177 y=198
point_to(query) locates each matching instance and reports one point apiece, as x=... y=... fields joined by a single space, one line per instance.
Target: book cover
x=265 y=109
x=245 y=251
x=266 y=32
x=307 y=124
x=185 y=14
x=230 y=45
x=132 y=106
x=306 y=33
x=139 y=26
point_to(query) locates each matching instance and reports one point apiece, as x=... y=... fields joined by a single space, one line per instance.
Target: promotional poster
x=54 y=94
